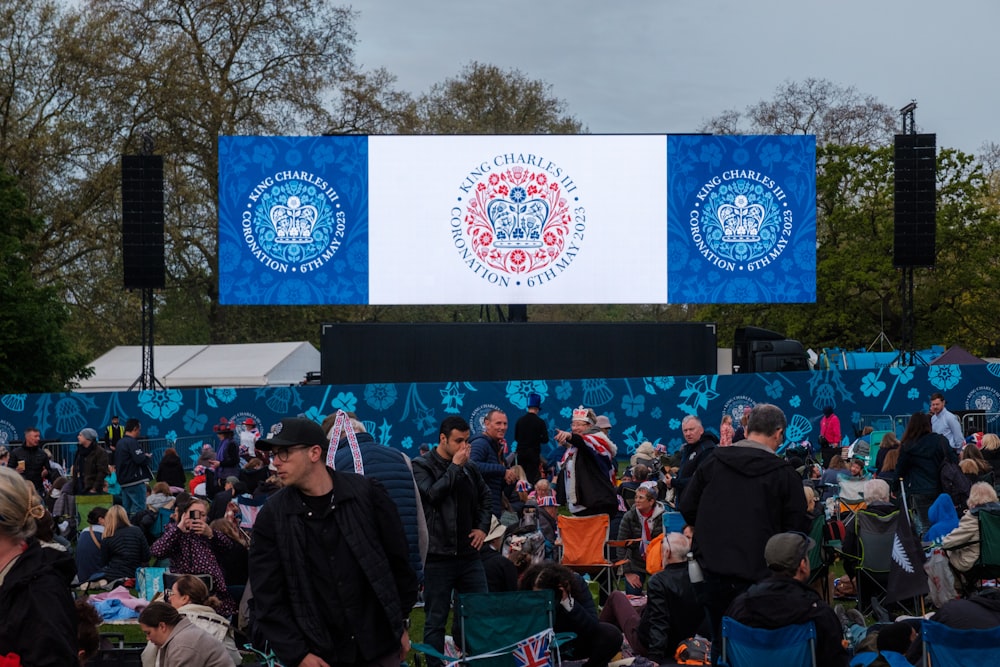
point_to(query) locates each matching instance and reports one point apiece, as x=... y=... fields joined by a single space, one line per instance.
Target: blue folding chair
x=790 y=646
x=948 y=647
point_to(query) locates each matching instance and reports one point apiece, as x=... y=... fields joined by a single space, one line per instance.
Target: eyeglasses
x=281 y=453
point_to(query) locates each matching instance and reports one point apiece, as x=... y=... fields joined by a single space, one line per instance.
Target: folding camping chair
x=496 y=626
x=628 y=493
x=588 y=549
x=743 y=646
x=949 y=647
x=819 y=566
x=851 y=499
x=114 y=652
x=876 y=536
x=249 y=507
x=987 y=566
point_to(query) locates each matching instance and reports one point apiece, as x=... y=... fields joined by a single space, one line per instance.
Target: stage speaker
x=142 y=221
x=915 y=200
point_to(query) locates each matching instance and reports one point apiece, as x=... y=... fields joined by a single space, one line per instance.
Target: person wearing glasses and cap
x=785 y=599
x=329 y=561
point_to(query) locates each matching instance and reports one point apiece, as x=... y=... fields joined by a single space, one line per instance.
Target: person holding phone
x=193 y=547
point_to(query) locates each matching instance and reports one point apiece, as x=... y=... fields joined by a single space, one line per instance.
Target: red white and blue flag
x=534 y=651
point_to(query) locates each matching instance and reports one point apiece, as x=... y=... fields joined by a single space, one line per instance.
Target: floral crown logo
x=293 y=222
x=518 y=217
x=741 y=221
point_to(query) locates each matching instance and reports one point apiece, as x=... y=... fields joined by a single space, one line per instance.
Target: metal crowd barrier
x=981 y=422
x=188 y=447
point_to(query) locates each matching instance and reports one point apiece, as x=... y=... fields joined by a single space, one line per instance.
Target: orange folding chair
x=587 y=549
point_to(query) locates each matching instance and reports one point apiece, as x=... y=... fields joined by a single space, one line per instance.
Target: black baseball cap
x=294 y=431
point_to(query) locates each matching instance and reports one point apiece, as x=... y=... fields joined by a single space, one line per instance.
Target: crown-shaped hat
x=582 y=414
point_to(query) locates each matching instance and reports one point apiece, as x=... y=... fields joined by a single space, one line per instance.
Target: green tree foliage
x=858 y=289
x=36 y=354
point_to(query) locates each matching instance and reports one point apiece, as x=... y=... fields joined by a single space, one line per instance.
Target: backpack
x=955 y=483
x=694 y=651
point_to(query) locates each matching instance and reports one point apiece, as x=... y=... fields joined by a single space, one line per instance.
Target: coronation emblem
x=518 y=220
x=293 y=222
x=741 y=221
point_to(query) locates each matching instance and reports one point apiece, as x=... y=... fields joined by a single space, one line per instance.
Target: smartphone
x=196 y=515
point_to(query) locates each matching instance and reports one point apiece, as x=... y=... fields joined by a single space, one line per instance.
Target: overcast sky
x=662 y=66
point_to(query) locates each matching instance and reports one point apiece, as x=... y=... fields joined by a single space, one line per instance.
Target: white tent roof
x=177 y=366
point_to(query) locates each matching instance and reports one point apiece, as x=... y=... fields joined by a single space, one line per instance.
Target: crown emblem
x=517 y=222
x=984 y=403
x=741 y=221
x=293 y=222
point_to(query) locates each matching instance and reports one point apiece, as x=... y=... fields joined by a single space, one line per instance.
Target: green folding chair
x=495 y=625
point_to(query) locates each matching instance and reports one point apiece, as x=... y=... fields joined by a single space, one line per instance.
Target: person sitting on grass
x=180 y=642
x=123 y=548
x=189 y=596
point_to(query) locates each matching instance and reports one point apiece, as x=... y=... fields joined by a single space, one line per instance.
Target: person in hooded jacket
x=921 y=456
x=171 y=469
x=738 y=498
x=39 y=620
x=785 y=599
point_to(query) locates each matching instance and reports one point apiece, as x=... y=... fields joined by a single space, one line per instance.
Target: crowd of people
x=319 y=556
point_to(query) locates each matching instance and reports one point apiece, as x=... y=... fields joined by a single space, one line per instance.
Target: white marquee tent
x=182 y=366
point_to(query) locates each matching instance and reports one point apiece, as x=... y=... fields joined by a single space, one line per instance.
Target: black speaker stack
x=142 y=221
x=915 y=200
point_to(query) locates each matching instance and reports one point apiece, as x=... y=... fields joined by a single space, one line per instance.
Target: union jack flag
x=533 y=651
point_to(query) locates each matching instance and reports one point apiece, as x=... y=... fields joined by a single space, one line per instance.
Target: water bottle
x=694 y=569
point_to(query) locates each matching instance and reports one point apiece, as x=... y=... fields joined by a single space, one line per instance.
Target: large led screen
x=516 y=219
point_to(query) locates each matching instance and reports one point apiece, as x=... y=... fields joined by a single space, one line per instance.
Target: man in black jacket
x=329 y=571
x=531 y=432
x=457 y=504
x=132 y=468
x=785 y=599
x=31 y=461
x=738 y=498
x=698 y=446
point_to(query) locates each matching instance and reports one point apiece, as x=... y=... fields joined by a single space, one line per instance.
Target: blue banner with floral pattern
x=287 y=207
x=741 y=219
x=405 y=415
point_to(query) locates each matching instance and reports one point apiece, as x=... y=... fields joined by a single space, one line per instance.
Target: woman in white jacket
x=189 y=596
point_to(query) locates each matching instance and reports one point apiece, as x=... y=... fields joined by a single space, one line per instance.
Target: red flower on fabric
x=518 y=257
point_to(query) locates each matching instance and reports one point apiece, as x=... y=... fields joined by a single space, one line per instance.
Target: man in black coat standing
x=737 y=499
x=531 y=433
x=329 y=566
